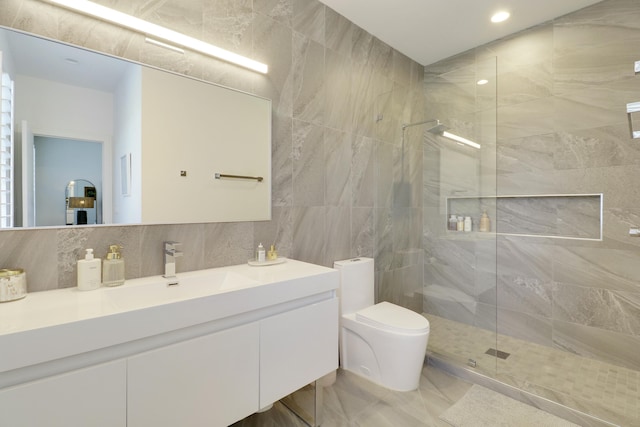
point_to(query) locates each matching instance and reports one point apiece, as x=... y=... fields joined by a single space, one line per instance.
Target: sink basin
x=164 y=291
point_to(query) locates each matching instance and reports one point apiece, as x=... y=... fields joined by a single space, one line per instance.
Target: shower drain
x=497 y=353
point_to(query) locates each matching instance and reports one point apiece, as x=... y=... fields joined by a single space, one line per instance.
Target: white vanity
x=215 y=348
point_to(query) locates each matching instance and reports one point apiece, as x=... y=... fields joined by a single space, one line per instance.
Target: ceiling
x=430 y=30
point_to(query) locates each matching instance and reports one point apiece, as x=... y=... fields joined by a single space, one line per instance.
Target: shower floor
x=605 y=391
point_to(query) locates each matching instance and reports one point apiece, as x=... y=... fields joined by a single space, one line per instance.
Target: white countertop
x=53 y=324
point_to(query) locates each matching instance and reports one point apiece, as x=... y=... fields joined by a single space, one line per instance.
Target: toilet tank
x=356 y=284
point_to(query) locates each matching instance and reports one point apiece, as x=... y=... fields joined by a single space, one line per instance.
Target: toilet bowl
x=384 y=343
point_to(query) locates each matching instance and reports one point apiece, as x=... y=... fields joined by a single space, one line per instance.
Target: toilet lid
x=392 y=317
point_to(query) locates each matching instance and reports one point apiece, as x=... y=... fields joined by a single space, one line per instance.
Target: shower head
x=438 y=129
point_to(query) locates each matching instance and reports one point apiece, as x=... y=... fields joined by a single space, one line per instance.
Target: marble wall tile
x=339 y=33
x=529 y=154
x=282 y=161
x=309 y=163
x=526 y=119
x=36 y=252
x=524 y=84
x=595 y=147
x=338 y=183
x=309 y=231
x=338 y=111
x=363 y=162
x=363 y=235
x=527 y=48
x=601 y=308
x=308 y=91
x=338 y=234
x=524 y=326
x=607 y=346
x=229 y=24
x=228 y=244
x=599 y=268
x=280 y=10
x=278 y=231
x=309 y=19
x=383 y=178
x=383 y=221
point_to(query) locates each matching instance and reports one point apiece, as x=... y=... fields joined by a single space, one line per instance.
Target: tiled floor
x=606 y=391
x=353 y=401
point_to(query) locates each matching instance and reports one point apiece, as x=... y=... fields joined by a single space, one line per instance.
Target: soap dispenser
x=89 y=272
x=113 y=268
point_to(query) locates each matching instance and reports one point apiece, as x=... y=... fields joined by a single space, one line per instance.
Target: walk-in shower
x=547 y=301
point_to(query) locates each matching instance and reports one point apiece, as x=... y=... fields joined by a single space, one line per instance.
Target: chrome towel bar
x=224 y=175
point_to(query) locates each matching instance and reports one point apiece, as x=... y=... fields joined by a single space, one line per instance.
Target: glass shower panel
x=459 y=285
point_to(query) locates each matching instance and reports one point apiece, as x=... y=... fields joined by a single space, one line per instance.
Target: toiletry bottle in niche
x=453 y=223
x=260 y=253
x=89 y=272
x=113 y=267
x=485 y=222
x=460 y=225
x=468 y=225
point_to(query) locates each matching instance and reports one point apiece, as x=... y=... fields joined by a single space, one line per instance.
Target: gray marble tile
x=278 y=231
x=599 y=268
x=282 y=163
x=600 y=308
x=309 y=164
x=338 y=183
x=309 y=231
x=339 y=33
x=309 y=19
x=229 y=24
x=383 y=175
x=526 y=327
x=383 y=222
x=280 y=10
x=308 y=76
x=523 y=84
x=338 y=107
x=528 y=118
x=363 y=162
x=534 y=154
x=337 y=234
x=35 y=252
x=362 y=232
x=607 y=346
x=227 y=243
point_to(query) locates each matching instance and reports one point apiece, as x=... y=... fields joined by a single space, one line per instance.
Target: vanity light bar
x=140 y=25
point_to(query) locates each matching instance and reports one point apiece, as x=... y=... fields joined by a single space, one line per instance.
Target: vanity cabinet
x=210 y=380
x=95 y=396
x=297 y=348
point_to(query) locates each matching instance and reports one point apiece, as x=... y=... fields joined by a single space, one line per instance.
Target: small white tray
x=266 y=263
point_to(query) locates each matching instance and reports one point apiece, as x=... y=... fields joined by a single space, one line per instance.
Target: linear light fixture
x=460 y=139
x=157 y=31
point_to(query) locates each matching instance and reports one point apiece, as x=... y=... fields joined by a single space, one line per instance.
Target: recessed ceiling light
x=500 y=17
x=483 y=82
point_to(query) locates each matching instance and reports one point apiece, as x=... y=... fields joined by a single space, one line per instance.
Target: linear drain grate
x=497 y=353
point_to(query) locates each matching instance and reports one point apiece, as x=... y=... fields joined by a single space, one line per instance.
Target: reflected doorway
x=58 y=161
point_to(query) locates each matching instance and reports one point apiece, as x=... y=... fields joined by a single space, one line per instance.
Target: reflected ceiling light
x=174 y=37
x=164 y=45
x=460 y=139
x=483 y=82
x=500 y=16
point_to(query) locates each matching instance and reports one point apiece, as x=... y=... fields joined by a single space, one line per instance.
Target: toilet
x=384 y=343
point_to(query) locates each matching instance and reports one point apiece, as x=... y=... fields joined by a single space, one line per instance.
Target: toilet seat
x=393 y=318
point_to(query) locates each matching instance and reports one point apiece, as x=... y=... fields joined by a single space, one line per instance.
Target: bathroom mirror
x=159 y=139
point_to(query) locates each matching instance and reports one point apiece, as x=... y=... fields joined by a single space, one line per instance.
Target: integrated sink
x=186 y=286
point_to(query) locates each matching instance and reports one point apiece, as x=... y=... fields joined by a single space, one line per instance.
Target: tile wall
x=339 y=98
x=561 y=129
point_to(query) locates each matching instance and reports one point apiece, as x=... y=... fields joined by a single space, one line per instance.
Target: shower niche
x=566 y=216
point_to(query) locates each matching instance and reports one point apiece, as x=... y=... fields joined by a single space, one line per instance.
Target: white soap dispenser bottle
x=89 y=270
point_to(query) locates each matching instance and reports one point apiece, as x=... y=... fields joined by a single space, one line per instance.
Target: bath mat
x=481 y=407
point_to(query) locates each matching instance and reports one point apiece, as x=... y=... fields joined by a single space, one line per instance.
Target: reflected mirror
x=146 y=144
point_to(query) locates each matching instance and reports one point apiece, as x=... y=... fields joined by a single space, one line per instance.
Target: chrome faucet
x=170 y=254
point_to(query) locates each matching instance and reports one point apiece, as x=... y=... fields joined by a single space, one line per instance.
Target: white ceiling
x=430 y=30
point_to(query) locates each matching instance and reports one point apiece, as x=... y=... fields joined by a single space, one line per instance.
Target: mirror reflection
x=75 y=121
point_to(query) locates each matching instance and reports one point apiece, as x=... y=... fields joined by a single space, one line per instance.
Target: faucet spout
x=171 y=252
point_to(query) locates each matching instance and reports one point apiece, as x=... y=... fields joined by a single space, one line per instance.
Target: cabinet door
x=206 y=381
x=297 y=348
x=94 y=396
